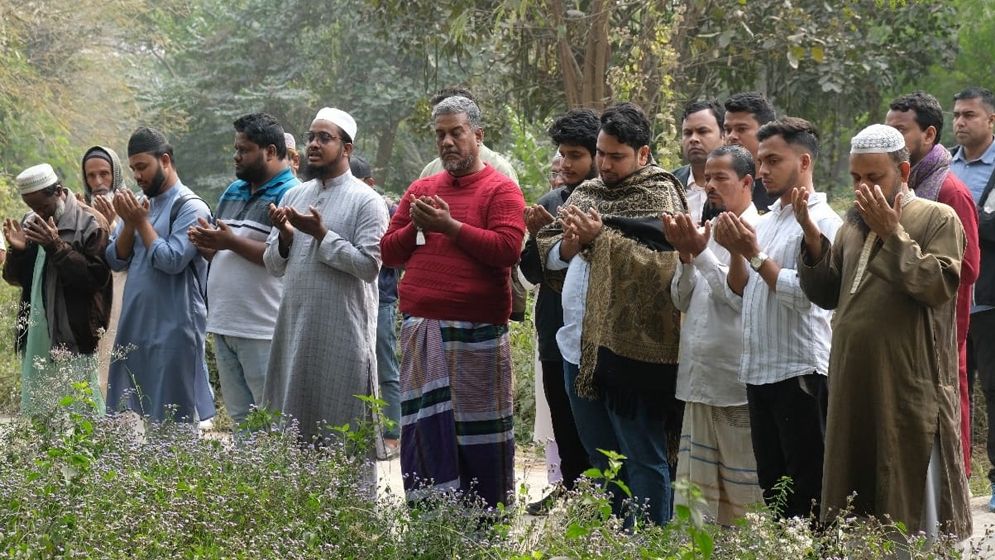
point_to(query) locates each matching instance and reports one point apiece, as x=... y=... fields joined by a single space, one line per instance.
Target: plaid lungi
x=716 y=454
x=456 y=409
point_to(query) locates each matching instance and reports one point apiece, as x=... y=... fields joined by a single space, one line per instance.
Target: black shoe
x=542 y=507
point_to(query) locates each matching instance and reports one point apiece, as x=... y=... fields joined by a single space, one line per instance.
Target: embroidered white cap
x=877 y=139
x=288 y=138
x=36 y=178
x=339 y=118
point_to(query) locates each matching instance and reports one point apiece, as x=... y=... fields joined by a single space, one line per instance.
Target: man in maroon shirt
x=457 y=234
x=919 y=117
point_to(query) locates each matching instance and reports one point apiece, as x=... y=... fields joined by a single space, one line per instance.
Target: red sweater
x=466 y=277
x=954 y=193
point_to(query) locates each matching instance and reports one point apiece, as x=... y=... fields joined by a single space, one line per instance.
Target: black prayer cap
x=149 y=140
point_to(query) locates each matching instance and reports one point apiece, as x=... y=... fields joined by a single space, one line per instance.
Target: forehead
x=718 y=163
x=610 y=145
x=452 y=120
x=94 y=165
x=973 y=104
x=741 y=117
x=871 y=164
x=900 y=117
x=701 y=118
x=774 y=145
x=144 y=157
x=321 y=125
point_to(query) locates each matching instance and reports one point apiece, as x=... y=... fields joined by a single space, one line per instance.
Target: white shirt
x=711 y=329
x=696 y=196
x=784 y=334
x=574 y=302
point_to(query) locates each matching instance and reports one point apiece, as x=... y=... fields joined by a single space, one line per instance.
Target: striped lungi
x=456 y=409
x=716 y=455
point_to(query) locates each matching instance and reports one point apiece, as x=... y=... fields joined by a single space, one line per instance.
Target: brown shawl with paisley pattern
x=629 y=315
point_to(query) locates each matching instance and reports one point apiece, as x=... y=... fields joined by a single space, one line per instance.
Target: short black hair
x=795 y=131
x=262 y=130
x=451 y=91
x=628 y=123
x=712 y=105
x=359 y=167
x=978 y=93
x=752 y=102
x=742 y=159
x=578 y=127
x=927 y=109
x=151 y=141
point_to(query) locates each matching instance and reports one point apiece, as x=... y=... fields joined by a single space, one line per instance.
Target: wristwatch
x=758 y=261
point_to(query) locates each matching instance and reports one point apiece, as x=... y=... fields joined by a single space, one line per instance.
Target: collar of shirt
x=693 y=183
x=275 y=181
x=988 y=158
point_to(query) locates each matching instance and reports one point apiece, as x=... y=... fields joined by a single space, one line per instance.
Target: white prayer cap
x=36 y=178
x=877 y=139
x=288 y=138
x=339 y=118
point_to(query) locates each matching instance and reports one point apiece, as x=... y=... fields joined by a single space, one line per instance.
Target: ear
x=904 y=168
x=479 y=135
x=806 y=161
x=930 y=133
x=747 y=182
x=347 y=150
x=643 y=155
x=165 y=160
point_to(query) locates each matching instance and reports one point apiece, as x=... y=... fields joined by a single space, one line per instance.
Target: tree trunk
x=385 y=149
x=568 y=62
x=594 y=92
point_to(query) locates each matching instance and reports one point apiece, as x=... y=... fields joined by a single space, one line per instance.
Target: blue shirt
x=975 y=175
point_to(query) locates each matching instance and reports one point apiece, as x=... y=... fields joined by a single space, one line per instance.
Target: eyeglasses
x=323 y=137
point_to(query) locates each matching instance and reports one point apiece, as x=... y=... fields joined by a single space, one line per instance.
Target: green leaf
x=818 y=54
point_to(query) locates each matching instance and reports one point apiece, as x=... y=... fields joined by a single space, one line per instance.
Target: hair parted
x=985 y=95
x=795 y=131
x=752 y=102
x=628 y=123
x=713 y=105
x=578 y=127
x=262 y=130
x=927 y=109
x=742 y=159
x=458 y=104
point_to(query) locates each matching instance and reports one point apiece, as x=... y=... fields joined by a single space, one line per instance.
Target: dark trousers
x=573 y=458
x=981 y=364
x=788 y=426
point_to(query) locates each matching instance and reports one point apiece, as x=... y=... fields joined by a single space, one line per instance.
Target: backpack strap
x=178 y=205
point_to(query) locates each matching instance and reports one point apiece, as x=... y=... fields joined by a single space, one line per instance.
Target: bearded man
x=163 y=374
x=620 y=334
x=56 y=257
x=457 y=234
x=325 y=246
x=891 y=275
x=245 y=298
x=919 y=117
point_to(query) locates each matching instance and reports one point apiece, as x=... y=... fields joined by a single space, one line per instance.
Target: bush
x=74 y=486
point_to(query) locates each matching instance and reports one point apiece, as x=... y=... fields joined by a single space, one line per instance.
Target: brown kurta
x=893 y=368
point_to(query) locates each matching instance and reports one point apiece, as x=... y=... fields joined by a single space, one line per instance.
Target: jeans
x=242 y=364
x=388 y=370
x=641 y=438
